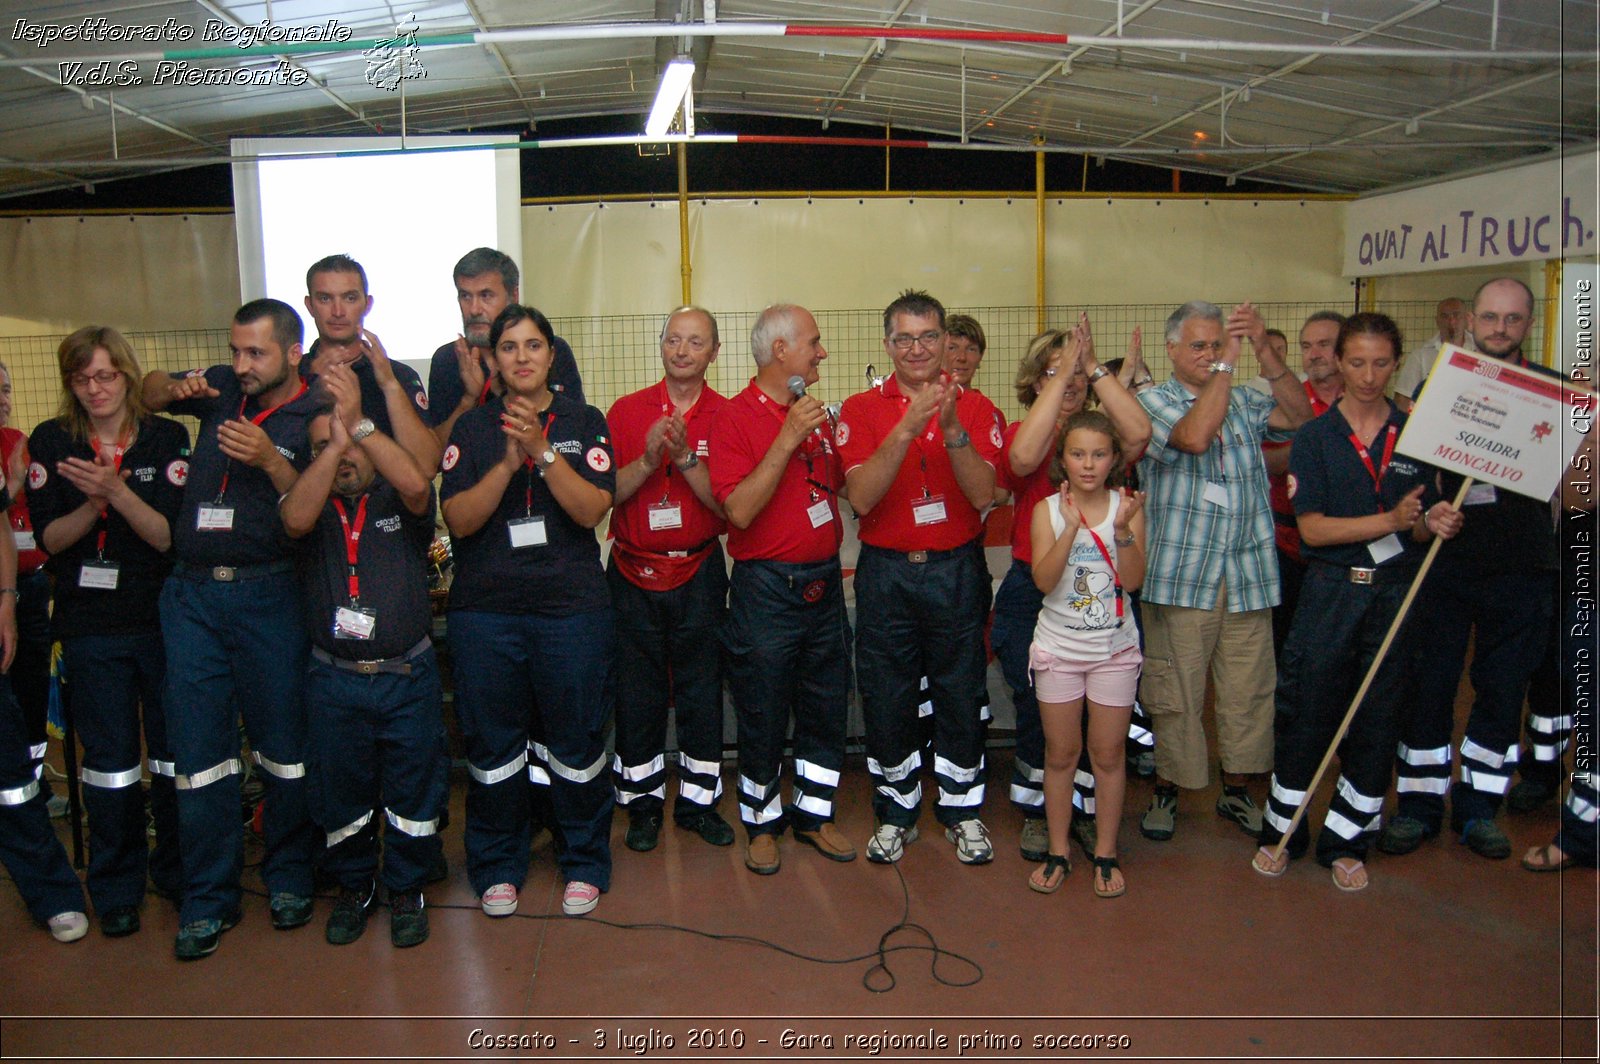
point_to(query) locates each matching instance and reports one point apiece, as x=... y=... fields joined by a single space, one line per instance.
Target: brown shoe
x=761 y=854
x=828 y=841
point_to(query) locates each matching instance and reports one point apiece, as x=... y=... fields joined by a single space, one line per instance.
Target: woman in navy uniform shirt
x=1364 y=514
x=105 y=487
x=527 y=477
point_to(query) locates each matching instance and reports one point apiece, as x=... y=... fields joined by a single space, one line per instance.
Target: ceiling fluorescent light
x=672 y=92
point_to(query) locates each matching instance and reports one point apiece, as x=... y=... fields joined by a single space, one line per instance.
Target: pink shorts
x=1111 y=682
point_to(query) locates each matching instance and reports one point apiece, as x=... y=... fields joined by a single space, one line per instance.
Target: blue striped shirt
x=1195 y=543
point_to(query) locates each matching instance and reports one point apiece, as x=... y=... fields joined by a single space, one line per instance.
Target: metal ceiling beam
x=1064 y=66
x=500 y=58
x=1288 y=68
x=1520 y=83
x=868 y=54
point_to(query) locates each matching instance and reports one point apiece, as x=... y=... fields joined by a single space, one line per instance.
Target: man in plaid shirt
x=1212 y=577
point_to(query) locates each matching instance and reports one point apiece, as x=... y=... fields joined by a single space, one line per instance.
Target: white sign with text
x=1494 y=422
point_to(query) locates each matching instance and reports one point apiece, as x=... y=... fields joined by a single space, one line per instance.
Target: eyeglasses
x=1200 y=347
x=105 y=379
x=1510 y=321
x=904 y=341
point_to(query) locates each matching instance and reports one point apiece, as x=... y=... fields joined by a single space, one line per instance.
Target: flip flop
x=1048 y=877
x=1345 y=871
x=1103 y=867
x=1263 y=863
x=1541 y=859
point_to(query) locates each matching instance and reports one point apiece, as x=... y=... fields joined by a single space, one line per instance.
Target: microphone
x=797 y=388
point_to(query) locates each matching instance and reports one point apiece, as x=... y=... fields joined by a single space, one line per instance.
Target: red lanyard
x=1366 y=460
x=257 y=420
x=483 y=396
x=352 y=540
x=116 y=463
x=808 y=450
x=1116 y=579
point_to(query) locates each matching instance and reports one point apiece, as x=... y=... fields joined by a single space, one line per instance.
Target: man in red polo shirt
x=777 y=478
x=919 y=453
x=1323 y=383
x=669 y=586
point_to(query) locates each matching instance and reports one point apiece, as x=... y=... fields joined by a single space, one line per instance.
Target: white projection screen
x=406 y=216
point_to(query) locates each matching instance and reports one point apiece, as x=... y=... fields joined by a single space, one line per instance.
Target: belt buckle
x=1361 y=576
x=917 y=557
x=225 y=573
x=368 y=668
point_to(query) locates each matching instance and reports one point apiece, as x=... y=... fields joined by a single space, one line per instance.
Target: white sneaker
x=68 y=927
x=889 y=843
x=579 y=898
x=500 y=900
x=972 y=841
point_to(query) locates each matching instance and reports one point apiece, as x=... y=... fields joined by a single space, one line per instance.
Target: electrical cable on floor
x=871 y=980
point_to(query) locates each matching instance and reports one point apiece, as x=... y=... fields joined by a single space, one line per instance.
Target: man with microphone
x=919 y=453
x=669 y=586
x=777 y=478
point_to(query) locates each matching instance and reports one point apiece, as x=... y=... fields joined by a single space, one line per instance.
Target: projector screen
x=407 y=217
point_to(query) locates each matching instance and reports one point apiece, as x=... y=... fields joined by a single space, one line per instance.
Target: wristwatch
x=363 y=429
x=1099 y=371
x=689 y=461
x=547 y=459
x=1219 y=367
x=959 y=442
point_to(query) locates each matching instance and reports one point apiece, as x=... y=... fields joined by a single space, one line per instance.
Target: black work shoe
x=199 y=938
x=290 y=911
x=408 y=919
x=348 y=921
x=1529 y=795
x=1403 y=834
x=644 y=830
x=119 y=921
x=1484 y=838
x=709 y=825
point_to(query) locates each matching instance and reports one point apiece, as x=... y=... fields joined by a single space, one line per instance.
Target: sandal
x=1103 y=867
x=1264 y=863
x=1047 y=878
x=1350 y=875
x=1543 y=859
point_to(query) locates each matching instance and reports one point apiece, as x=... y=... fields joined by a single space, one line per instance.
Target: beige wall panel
x=590 y=259
x=135 y=272
x=1173 y=250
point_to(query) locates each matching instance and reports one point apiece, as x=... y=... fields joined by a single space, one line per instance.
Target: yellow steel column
x=1038 y=229
x=683 y=223
x=1551 y=311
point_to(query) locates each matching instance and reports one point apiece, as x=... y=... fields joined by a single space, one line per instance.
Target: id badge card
x=215 y=519
x=1479 y=495
x=1216 y=494
x=100 y=575
x=665 y=515
x=820 y=513
x=1384 y=549
x=354 y=622
x=928 y=511
x=527 y=532
x=24 y=538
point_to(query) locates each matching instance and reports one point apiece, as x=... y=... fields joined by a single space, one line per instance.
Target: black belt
x=1357 y=574
x=400 y=666
x=922 y=557
x=228 y=574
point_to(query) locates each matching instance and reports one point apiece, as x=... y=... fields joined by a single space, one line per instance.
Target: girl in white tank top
x=1088 y=555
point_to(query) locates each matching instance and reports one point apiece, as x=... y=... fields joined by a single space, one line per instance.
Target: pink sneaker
x=580 y=898
x=500 y=900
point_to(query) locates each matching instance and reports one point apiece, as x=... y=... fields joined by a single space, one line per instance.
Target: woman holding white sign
x=1363 y=515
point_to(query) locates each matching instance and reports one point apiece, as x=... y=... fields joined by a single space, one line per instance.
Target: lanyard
x=1366 y=460
x=116 y=463
x=808 y=450
x=352 y=540
x=258 y=420
x=1116 y=578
